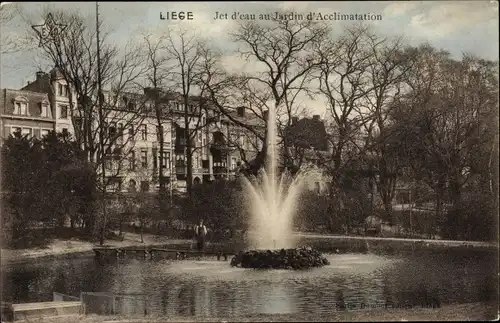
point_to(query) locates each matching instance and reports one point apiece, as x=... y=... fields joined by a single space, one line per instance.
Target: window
x=144 y=158
x=131 y=132
x=78 y=123
x=166 y=159
x=16 y=129
x=234 y=139
x=144 y=132
x=108 y=164
x=45 y=132
x=179 y=161
x=20 y=108
x=131 y=106
x=24 y=109
x=159 y=133
x=131 y=160
x=233 y=163
x=120 y=132
x=17 y=108
x=115 y=183
x=155 y=160
x=39 y=109
x=65 y=90
x=27 y=131
x=64 y=112
x=112 y=129
x=132 y=186
x=144 y=186
x=60 y=87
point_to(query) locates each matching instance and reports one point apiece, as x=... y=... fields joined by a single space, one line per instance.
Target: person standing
x=200 y=233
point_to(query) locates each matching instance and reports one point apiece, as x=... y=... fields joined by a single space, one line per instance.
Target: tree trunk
x=142 y=232
x=189 y=161
x=121 y=227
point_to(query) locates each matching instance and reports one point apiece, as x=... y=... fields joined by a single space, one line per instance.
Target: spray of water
x=272 y=200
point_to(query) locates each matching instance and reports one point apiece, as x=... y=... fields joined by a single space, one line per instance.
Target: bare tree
x=284 y=51
x=446 y=130
x=157 y=76
x=344 y=83
x=187 y=55
x=390 y=63
x=69 y=45
x=11 y=42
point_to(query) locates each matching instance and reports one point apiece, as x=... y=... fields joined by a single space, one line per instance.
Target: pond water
x=206 y=287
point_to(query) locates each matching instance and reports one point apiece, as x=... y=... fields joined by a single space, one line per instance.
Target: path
x=67 y=247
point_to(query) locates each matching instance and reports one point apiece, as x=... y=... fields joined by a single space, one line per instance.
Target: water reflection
x=211 y=288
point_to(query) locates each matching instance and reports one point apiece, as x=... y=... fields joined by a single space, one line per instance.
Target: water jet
x=272 y=203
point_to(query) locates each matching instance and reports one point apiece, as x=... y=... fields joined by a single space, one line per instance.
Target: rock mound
x=299 y=258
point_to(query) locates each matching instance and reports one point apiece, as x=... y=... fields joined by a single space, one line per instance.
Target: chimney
x=39 y=75
x=316 y=117
x=241 y=111
x=265 y=114
x=295 y=120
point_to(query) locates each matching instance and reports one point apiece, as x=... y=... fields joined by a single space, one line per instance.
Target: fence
x=103 y=303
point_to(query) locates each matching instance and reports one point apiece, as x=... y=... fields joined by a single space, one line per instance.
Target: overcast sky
x=458 y=27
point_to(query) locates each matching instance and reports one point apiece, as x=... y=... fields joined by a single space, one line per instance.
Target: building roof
x=308 y=133
x=33 y=99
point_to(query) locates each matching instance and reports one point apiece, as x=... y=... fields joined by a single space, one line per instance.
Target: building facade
x=39 y=107
x=143 y=133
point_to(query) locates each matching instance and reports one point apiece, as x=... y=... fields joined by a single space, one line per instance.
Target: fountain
x=272 y=204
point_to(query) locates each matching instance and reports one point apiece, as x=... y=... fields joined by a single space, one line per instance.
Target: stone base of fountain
x=299 y=258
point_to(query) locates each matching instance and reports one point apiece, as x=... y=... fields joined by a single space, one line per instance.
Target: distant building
x=132 y=145
x=36 y=109
x=307 y=146
x=25 y=111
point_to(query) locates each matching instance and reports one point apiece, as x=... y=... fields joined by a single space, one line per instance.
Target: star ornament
x=50 y=31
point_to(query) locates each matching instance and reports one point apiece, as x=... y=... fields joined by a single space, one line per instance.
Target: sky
x=456 y=26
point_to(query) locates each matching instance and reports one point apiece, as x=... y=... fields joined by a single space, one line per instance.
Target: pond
x=206 y=287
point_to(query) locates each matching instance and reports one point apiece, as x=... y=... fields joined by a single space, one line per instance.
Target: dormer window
x=44 y=109
x=20 y=106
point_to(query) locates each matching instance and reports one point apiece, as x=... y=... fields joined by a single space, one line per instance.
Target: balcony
x=220 y=145
x=220 y=170
x=180 y=168
x=181 y=143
